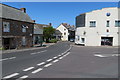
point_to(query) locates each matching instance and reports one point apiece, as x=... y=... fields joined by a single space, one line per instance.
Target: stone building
x=17 y=27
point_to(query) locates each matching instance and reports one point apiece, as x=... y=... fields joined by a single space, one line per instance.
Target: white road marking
x=23 y=77
x=54 y=57
x=28 y=69
x=60 y=57
x=10 y=76
x=115 y=55
x=44 y=51
x=56 y=60
x=38 y=70
x=47 y=65
x=12 y=58
x=38 y=52
x=7 y=59
x=63 y=53
x=49 y=60
x=33 y=53
x=41 y=63
x=99 y=55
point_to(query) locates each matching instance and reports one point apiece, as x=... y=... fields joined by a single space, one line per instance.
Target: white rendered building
x=98 y=27
x=67 y=31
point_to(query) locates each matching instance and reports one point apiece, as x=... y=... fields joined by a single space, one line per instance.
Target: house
x=38 y=35
x=57 y=35
x=68 y=31
x=98 y=27
x=17 y=27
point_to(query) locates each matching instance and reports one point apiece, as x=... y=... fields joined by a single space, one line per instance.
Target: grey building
x=38 y=35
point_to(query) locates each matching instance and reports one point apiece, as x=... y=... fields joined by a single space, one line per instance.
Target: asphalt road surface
x=18 y=64
x=62 y=61
x=82 y=62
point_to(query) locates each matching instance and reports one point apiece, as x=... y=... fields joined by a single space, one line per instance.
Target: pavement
x=26 y=49
x=61 y=60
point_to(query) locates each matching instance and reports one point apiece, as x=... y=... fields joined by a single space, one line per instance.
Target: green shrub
x=53 y=41
x=1 y=48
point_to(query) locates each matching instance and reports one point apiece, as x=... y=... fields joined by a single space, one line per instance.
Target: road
x=82 y=63
x=18 y=64
x=62 y=61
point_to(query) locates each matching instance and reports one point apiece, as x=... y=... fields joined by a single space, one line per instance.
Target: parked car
x=72 y=40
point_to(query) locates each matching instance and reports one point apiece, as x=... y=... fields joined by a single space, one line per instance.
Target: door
x=6 y=43
x=106 y=41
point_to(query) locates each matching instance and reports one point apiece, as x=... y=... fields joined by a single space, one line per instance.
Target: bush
x=1 y=48
x=53 y=41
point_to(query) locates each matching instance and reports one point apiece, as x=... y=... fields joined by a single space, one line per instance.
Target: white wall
x=61 y=29
x=93 y=34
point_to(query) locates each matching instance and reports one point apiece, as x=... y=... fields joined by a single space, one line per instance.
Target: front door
x=6 y=42
x=106 y=41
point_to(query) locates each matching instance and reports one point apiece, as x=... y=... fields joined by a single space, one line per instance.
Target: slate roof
x=58 y=32
x=69 y=27
x=9 y=12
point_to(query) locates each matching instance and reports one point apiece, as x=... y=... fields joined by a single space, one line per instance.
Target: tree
x=48 y=33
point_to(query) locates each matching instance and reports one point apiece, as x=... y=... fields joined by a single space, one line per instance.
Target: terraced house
x=17 y=27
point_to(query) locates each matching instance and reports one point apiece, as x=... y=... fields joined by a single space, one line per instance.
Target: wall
x=61 y=29
x=93 y=34
x=17 y=34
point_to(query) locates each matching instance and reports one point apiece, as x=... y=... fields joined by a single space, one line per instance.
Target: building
x=57 y=35
x=68 y=31
x=98 y=27
x=38 y=35
x=17 y=27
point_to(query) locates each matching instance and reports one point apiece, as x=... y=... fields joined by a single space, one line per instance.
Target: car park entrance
x=106 y=41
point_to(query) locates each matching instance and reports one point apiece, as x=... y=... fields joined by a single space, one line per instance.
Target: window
x=83 y=40
x=117 y=23
x=23 y=41
x=108 y=24
x=64 y=33
x=6 y=27
x=23 y=28
x=64 y=29
x=92 y=23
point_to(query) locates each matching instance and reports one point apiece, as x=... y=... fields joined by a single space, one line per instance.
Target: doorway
x=6 y=43
x=107 y=41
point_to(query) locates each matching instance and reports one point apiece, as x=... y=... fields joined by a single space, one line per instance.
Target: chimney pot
x=23 y=10
x=50 y=24
x=33 y=21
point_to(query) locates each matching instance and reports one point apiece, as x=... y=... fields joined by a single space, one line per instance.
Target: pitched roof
x=9 y=12
x=57 y=32
x=68 y=26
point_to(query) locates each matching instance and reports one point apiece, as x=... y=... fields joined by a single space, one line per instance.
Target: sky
x=59 y=12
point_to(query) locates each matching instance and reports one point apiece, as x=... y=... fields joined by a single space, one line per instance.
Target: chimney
x=50 y=24
x=23 y=10
x=33 y=21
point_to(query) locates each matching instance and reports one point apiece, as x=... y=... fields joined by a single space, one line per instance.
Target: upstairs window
x=64 y=33
x=23 y=28
x=6 y=27
x=117 y=23
x=92 y=23
x=108 y=24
